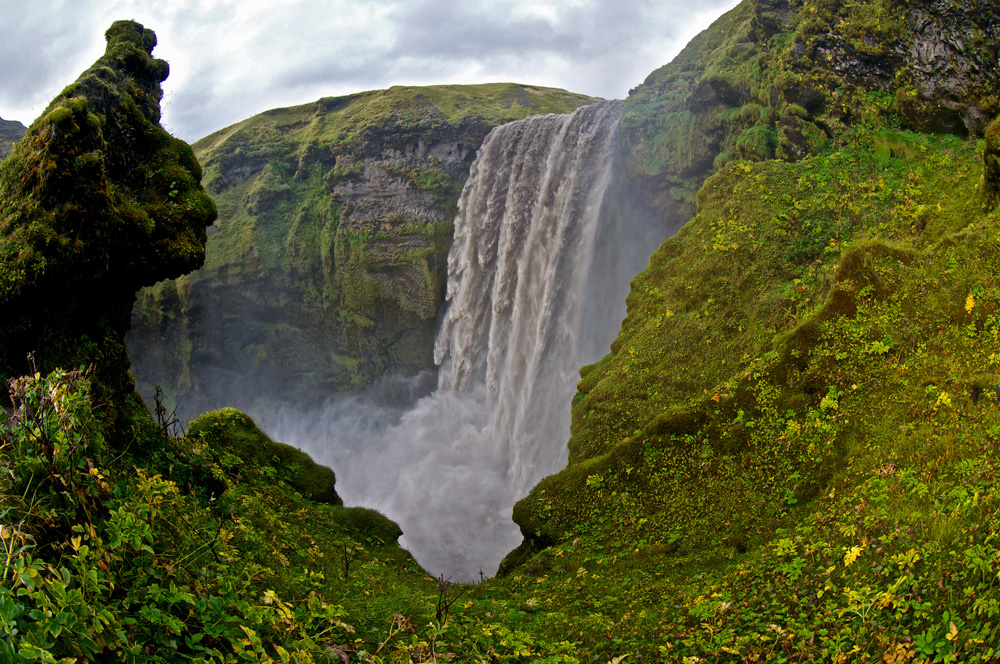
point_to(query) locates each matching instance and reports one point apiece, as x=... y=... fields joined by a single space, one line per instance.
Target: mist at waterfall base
x=547 y=239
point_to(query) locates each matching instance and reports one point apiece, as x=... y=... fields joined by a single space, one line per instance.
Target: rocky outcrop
x=326 y=268
x=230 y=432
x=776 y=78
x=991 y=167
x=11 y=132
x=96 y=202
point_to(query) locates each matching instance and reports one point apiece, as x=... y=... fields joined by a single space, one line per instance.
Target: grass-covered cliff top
x=354 y=123
x=291 y=141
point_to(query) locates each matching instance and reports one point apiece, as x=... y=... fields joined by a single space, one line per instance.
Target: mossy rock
x=374 y=527
x=96 y=202
x=228 y=431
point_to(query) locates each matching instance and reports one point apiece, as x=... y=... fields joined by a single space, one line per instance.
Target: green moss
x=96 y=201
x=230 y=432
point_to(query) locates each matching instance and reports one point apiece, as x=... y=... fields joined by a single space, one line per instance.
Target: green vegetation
x=186 y=550
x=790 y=453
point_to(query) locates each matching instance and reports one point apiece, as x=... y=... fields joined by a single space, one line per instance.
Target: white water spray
x=526 y=309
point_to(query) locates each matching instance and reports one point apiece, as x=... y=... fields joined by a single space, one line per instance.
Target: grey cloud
x=445 y=29
x=225 y=67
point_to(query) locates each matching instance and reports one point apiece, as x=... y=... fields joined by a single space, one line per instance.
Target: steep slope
x=792 y=443
x=11 y=132
x=327 y=266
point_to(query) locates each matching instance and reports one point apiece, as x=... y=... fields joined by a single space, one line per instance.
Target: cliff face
x=778 y=78
x=327 y=266
x=96 y=202
x=10 y=132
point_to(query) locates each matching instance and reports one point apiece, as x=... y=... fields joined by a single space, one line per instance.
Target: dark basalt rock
x=10 y=133
x=96 y=202
x=991 y=166
x=952 y=56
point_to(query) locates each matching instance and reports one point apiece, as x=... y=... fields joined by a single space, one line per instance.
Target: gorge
x=789 y=454
x=535 y=290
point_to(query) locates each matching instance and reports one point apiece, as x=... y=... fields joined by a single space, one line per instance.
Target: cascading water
x=525 y=310
x=523 y=247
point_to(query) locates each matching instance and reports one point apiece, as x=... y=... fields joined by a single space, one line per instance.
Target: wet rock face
x=953 y=54
x=991 y=167
x=96 y=202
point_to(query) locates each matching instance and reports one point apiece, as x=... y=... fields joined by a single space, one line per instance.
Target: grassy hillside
x=327 y=266
x=792 y=443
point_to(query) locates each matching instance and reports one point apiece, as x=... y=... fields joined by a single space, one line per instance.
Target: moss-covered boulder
x=233 y=439
x=96 y=202
x=327 y=266
x=10 y=132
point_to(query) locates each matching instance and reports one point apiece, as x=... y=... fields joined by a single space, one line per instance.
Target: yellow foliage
x=852 y=554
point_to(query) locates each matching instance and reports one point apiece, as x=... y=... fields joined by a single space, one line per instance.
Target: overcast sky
x=230 y=59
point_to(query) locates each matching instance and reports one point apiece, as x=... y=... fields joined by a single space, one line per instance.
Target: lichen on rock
x=96 y=202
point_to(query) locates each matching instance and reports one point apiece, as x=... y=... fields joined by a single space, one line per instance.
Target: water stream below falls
x=545 y=245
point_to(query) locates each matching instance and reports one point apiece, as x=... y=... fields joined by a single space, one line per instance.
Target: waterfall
x=523 y=247
x=544 y=248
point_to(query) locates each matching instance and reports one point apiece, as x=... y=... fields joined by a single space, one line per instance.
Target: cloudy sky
x=230 y=59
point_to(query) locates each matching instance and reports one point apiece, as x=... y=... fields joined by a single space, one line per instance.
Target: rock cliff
x=10 y=132
x=96 y=201
x=778 y=78
x=326 y=268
